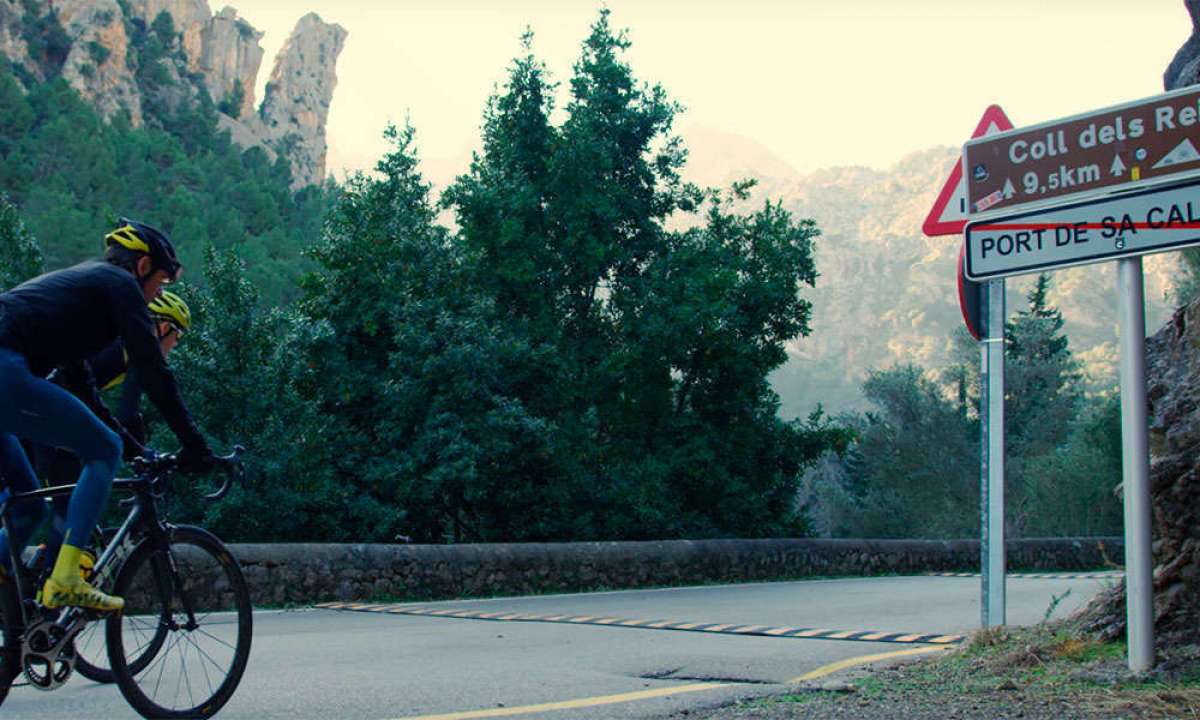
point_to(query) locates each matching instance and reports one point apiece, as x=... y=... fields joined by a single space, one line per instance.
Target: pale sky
x=817 y=82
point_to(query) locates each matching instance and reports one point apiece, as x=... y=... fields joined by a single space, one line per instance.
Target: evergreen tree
x=652 y=346
x=73 y=174
x=241 y=371
x=913 y=470
x=20 y=255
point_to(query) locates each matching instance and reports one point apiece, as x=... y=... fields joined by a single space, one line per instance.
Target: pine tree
x=20 y=255
x=1041 y=376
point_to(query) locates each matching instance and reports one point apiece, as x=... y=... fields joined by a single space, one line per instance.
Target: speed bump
x=649 y=624
x=1113 y=575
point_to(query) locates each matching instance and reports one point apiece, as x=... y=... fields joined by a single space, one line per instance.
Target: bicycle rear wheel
x=204 y=652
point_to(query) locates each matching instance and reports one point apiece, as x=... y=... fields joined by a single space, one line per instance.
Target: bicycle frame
x=143 y=513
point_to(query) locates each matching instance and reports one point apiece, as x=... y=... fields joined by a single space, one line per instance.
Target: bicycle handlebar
x=231 y=464
x=233 y=467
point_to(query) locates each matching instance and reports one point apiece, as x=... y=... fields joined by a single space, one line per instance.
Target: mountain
x=139 y=58
x=887 y=294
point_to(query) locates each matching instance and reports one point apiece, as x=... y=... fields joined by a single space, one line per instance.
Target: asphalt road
x=323 y=663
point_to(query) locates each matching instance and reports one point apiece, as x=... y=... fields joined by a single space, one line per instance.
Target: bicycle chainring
x=48 y=654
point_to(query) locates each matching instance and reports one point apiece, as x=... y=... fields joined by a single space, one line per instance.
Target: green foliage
x=240 y=369
x=1063 y=450
x=1041 y=378
x=47 y=42
x=20 y=256
x=1187 y=285
x=97 y=52
x=651 y=347
x=72 y=175
x=563 y=366
x=913 y=471
x=231 y=104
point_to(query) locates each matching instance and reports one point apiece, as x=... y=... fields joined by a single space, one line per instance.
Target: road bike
x=180 y=646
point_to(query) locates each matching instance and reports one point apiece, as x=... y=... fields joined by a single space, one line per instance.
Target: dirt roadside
x=1042 y=673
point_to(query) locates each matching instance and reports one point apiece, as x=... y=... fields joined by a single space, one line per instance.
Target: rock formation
x=215 y=54
x=1184 y=69
x=296 y=101
x=1173 y=390
x=12 y=44
x=1173 y=378
x=96 y=65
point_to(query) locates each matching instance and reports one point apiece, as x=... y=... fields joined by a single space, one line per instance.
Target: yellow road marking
x=598 y=700
x=874 y=636
x=840 y=635
x=687 y=626
x=718 y=628
x=831 y=668
x=607 y=621
x=632 y=623
x=779 y=631
x=571 y=704
x=907 y=638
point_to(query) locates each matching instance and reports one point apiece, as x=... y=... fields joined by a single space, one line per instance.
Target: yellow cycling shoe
x=87 y=565
x=78 y=593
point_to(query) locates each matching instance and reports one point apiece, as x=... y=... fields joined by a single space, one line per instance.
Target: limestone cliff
x=1184 y=69
x=95 y=65
x=215 y=54
x=12 y=44
x=296 y=102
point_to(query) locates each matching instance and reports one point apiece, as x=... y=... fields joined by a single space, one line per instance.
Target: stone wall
x=309 y=573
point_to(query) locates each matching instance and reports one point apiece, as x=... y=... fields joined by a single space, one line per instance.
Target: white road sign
x=1135 y=223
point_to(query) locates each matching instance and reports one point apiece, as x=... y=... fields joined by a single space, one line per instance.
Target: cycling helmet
x=170 y=307
x=140 y=237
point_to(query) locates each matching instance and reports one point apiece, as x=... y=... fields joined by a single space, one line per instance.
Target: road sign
x=1135 y=223
x=949 y=213
x=1127 y=146
x=970 y=299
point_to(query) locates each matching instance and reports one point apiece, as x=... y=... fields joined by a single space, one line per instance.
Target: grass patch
x=1052 y=669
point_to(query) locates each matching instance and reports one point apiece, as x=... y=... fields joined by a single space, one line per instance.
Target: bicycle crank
x=48 y=653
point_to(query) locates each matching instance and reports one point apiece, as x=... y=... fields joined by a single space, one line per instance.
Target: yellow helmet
x=139 y=237
x=170 y=307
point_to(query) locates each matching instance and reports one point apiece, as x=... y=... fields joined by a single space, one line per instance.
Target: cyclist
x=110 y=368
x=60 y=319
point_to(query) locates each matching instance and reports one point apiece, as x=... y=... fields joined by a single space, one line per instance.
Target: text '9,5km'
x=1101 y=151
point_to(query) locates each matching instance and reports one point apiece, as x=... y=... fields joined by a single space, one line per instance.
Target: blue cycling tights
x=40 y=411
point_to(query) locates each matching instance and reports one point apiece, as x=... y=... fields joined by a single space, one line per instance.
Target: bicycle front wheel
x=91 y=650
x=204 y=626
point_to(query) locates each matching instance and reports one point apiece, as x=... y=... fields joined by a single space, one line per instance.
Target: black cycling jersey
x=64 y=317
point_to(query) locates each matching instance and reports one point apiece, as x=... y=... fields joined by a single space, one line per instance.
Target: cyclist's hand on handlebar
x=195 y=459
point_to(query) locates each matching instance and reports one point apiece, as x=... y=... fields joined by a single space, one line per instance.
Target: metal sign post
x=992 y=447
x=1112 y=184
x=1139 y=562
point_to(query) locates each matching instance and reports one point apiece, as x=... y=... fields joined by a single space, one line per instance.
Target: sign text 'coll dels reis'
x=1133 y=145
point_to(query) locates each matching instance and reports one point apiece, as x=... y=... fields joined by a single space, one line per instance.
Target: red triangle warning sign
x=949 y=213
